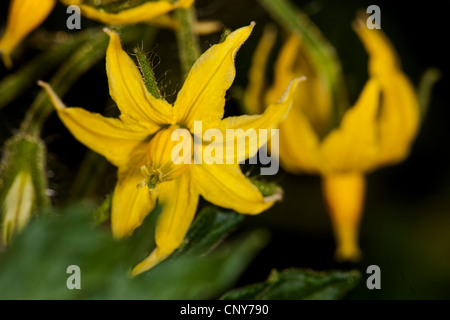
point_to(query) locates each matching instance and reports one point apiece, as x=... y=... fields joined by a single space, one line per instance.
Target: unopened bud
x=22 y=183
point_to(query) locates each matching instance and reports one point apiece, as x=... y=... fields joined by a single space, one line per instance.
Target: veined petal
x=344 y=194
x=203 y=94
x=127 y=88
x=354 y=145
x=179 y=199
x=143 y=13
x=257 y=74
x=399 y=114
x=131 y=202
x=112 y=138
x=226 y=186
x=24 y=16
x=275 y=114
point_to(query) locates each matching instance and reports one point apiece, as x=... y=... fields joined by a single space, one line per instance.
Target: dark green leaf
x=34 y=267
x=296 y=284
x=210 y=227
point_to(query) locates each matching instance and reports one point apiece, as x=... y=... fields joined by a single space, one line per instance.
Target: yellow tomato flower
x=26 y=15
x=139 y=144
x=377 y=131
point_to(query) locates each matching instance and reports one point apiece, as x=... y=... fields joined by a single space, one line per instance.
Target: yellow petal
x=131 y=202
x=313 y=98
x=112 y=138
x=275 y=114
x=383 y=58
x=226 y=186
x=354 y=145
x=399 y=114
x=257 y=73
x=344 y=194
x=203 y=94
x=24 y=16
x=179 y=199
x=127 y=88
x=284 y=67
x=310 y=113
x=399 y=119
x=299 y=144
x=142 y=13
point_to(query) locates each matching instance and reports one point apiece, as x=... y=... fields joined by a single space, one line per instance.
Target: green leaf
x=194 y=277
x=297 y=284
x=34 y=267
x=210 y=227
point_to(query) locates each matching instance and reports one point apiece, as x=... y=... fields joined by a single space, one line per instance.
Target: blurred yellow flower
x=377 y=131
x=26 y=15
x=139 y=144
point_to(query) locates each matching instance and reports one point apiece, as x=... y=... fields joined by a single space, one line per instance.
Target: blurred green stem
x=13 y=85
x=427 y=81
x=188 y=43
x=81 y=61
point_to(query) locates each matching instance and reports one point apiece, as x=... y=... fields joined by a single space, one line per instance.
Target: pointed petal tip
x=292 y=87
x=109 y=32
x=56 y=101
x=152 y=260
x=274 y=197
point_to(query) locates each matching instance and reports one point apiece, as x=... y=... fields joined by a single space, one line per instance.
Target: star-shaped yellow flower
x=139 y=144
x=377 y=131
x=26 y=15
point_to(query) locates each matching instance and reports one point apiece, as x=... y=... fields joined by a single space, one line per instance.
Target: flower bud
x=22 y=184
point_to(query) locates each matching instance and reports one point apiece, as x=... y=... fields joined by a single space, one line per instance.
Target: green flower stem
x=91 y=50
x=188 y=43
x=12 y=86
x=323 y=53
x=81 y=61
x=24 y=155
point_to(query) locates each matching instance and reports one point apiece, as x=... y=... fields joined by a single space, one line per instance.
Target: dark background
x=406 y=225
